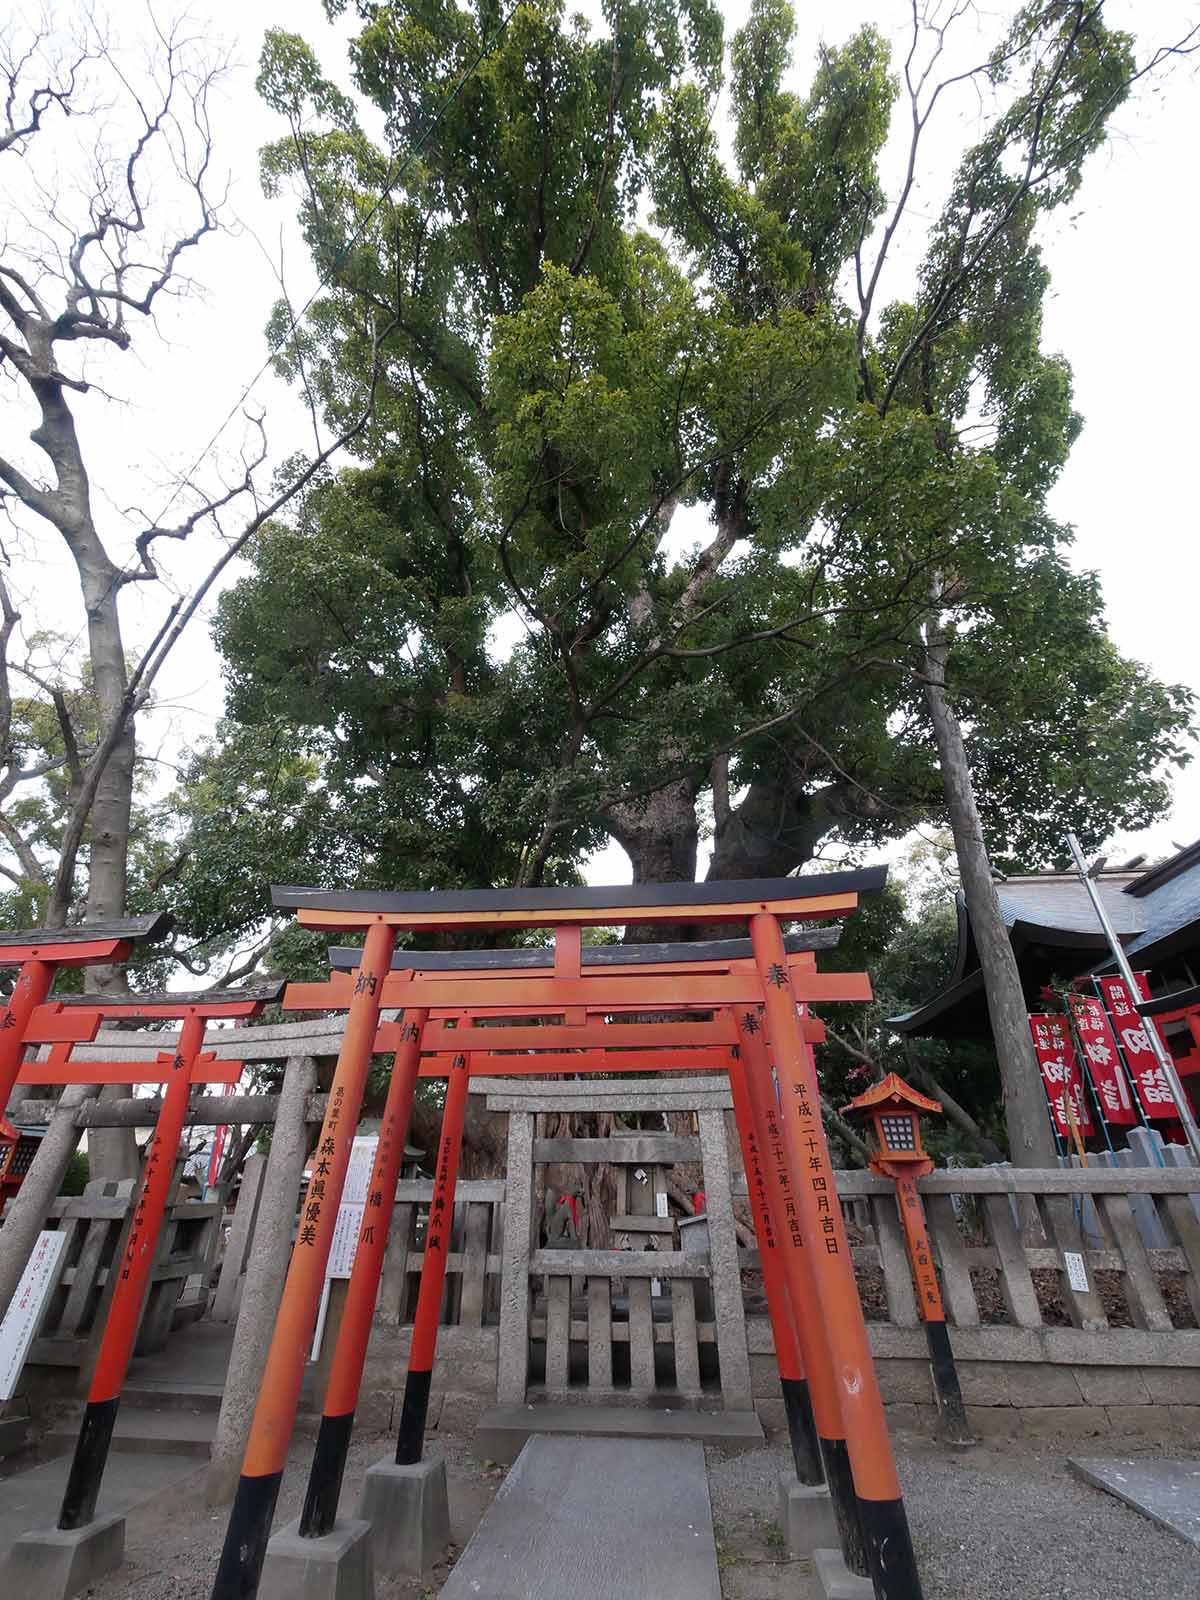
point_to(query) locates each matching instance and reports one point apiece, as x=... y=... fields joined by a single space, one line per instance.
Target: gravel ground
x=173 y=1544
x=990 y=1523
x=998 y=1522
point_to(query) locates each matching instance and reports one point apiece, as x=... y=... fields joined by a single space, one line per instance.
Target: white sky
x=1121 y=311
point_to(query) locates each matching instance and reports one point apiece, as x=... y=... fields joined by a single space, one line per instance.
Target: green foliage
x=477 y=652
x=75 y=1178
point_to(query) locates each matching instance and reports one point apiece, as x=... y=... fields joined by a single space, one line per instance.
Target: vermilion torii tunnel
x=743 y=1011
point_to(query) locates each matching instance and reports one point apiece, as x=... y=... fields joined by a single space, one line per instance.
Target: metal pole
x=1163 y=1055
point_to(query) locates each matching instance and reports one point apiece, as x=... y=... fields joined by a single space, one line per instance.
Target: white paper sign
x=348 y=1226
x=25 y=1310
x=1076 y=1271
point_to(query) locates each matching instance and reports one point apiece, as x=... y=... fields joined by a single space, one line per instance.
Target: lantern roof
x=893 y=1094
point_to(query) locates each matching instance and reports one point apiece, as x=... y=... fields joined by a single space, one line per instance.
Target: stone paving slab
x=1168 y=1492
x=612 y=1519
x=501 y=1431
x=32 y=1499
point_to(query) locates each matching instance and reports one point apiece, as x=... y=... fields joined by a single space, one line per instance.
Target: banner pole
x=1162 y=1054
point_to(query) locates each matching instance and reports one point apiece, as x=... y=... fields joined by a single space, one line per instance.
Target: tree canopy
x=485 y=647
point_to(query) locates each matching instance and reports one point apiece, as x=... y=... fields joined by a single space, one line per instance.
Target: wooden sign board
x=25 y=1312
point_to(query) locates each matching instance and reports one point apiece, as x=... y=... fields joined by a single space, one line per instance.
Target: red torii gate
x=764 y=998
x=39 y=952
x=77 y=1020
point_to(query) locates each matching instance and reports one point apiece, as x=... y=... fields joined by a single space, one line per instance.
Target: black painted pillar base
x=410 y=1442
x=802 y=1431
x=246 y=1537
x=891 y=1564
x=951 y=1411
x=325 y=1476
x=846 y=1506
x=87 y=1466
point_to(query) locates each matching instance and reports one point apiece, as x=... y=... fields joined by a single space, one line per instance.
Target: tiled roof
x=1062 y=903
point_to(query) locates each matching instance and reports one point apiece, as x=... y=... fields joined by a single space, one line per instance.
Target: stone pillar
x=241 y=1236
x=266 y=1269
x=28 y=1209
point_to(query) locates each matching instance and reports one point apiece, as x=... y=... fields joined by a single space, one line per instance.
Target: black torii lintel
x=345 y=958
x=585 y=898
x=138 y=1005
x=19 y=945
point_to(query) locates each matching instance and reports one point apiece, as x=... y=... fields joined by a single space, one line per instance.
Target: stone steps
x=139 y=1430
x=502 y=1430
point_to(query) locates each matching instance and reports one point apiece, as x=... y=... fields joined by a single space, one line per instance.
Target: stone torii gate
x=749 y=1009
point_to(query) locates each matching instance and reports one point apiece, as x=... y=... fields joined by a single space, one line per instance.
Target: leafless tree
x=114 y=185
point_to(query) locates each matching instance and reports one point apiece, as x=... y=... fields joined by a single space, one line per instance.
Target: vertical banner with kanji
x=1060 y=1073
x=1103 y=1059
x=1153 y=1090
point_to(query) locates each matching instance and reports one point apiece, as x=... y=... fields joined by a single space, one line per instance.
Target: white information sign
x=348 y=1226
x=1076 y=1271
x=25 y=1310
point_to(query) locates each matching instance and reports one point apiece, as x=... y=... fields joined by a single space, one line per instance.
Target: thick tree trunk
x=660 y=835
x=112 y=1152
x=1030 y=1141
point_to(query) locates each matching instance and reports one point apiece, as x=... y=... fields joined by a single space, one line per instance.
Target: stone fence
x=1062 y=1316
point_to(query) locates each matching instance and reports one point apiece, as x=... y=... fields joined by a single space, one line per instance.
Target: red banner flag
x=1060 y=1073
x=1153 y=1090
x=1103 y=1059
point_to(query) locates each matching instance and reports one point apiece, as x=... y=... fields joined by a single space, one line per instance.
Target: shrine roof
x=345 y=958
x=892 y=1088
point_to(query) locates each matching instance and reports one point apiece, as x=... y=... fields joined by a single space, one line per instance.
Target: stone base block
x=835 y=1581
x=806 y=1515
x=336 y=1566
x=55 y=1563
x=409 y=1511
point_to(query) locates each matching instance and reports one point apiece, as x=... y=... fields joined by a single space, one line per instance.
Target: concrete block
x=1112 y=1386
x=983 y=1383
x=835 y=1581
x=1151 y=1421
x=409 y=1510
x=806 y=1515
x=905 y=1381
x=773 y=1416
x=1173 y=1386
x=1059 y=1422
x=14 y=1435
x=994 y=1422
x=55 y=1563
x=1042 y=1385
x=336 y=1566
x=911 y=1418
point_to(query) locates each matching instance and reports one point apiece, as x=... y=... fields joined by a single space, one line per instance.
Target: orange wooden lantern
x=892 y=1111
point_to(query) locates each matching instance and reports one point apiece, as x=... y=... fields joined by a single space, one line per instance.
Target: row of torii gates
x=746 y=1015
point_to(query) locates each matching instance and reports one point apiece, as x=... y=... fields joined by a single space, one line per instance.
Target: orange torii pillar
x=350 y=1352
x=793 y=1384
x=81 y=1540
x=806 y=1512
x=253 y=1508
x=891 y=1563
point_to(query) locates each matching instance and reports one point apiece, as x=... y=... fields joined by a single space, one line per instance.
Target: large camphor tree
x=668 y=519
